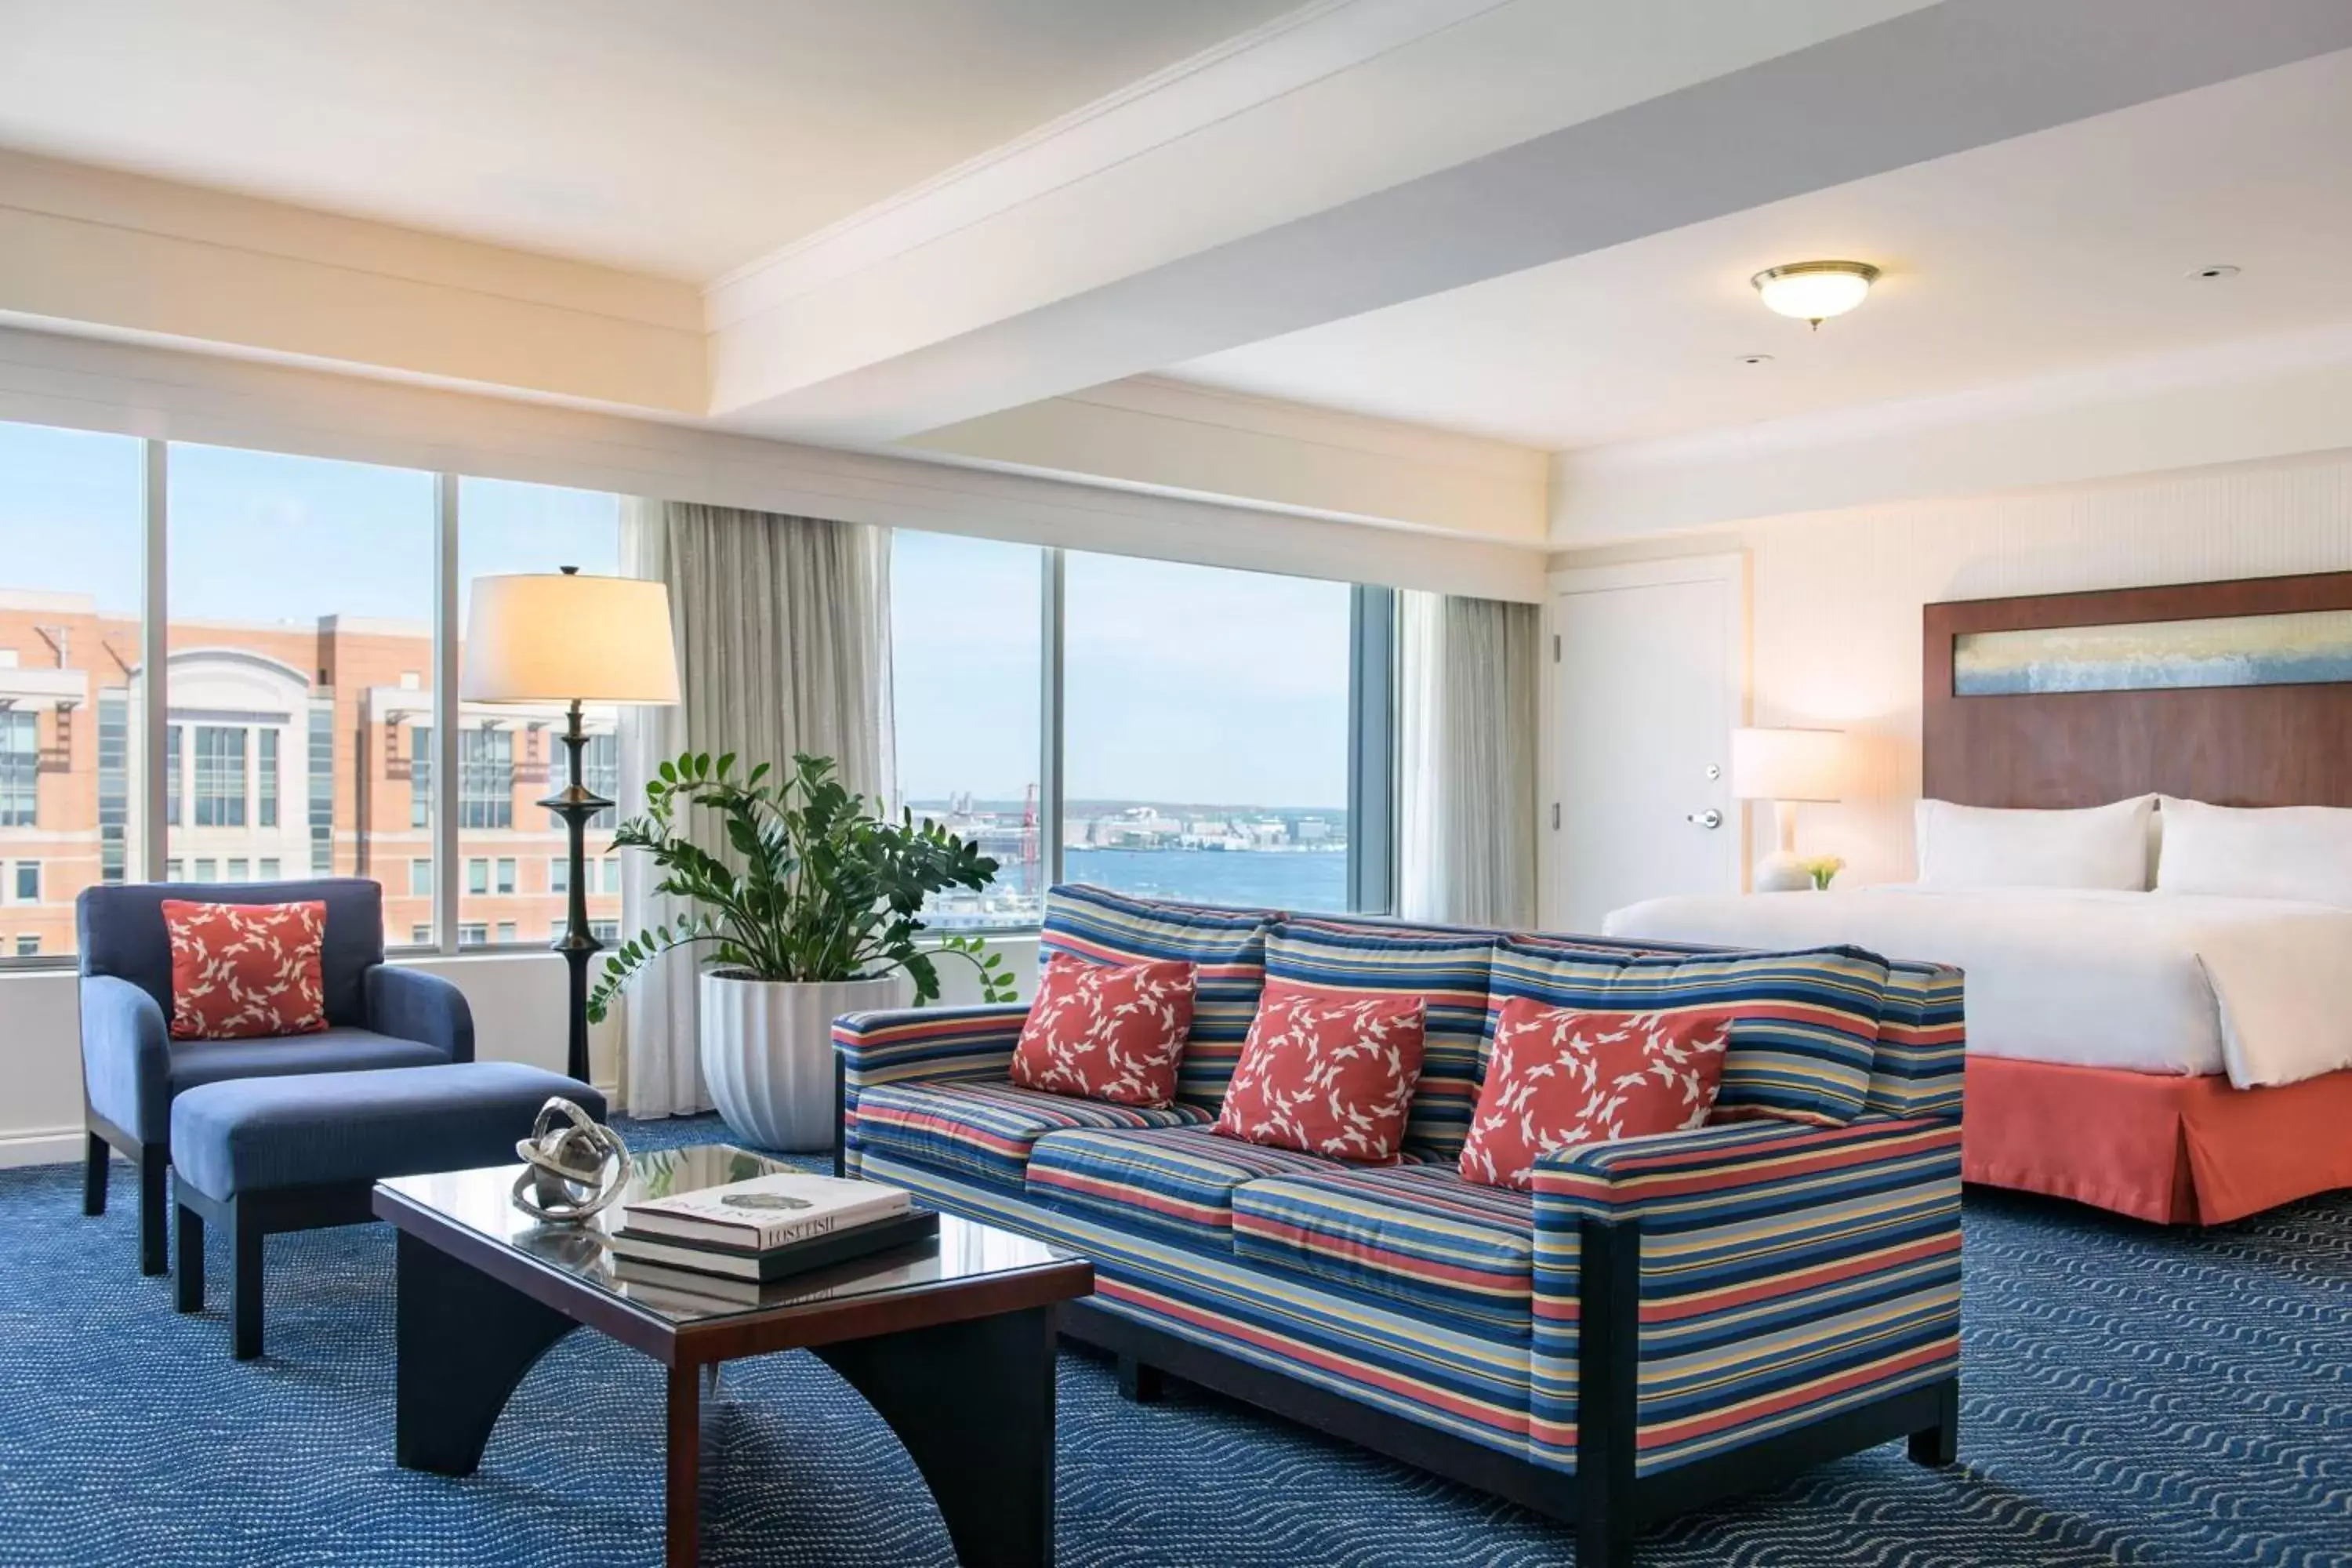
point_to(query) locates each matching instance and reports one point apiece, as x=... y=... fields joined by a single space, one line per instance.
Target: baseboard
x=41 y=1146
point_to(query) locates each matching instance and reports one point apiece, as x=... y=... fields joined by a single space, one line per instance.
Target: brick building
x=292 y=750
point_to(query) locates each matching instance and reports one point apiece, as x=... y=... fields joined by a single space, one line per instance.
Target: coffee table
x=951 y=1341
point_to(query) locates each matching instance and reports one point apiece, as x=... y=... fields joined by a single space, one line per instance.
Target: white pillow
x=1983 y=847
x=2301 y=852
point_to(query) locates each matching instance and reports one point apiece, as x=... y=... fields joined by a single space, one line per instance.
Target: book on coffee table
x=766 y=1212
x=671 y=1253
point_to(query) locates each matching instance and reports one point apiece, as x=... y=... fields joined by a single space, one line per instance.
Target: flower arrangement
x=1824 y=870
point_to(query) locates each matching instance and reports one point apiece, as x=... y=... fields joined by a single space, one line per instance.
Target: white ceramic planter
x=767 y=1053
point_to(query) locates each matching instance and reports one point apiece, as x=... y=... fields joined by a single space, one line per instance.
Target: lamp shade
x=1789 y=765
x=562 y=637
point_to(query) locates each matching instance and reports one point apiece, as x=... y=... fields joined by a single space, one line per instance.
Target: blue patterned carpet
x=2132 y=1396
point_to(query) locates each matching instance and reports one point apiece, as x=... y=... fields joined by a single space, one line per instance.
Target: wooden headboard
x=2233 y=745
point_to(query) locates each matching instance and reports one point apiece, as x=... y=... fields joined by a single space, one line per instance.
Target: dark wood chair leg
x=245 y=1283
x=95 y=1158
x=154 y=1255
x=1940 y=1445
x=188 y=1260
x=1140 y=1384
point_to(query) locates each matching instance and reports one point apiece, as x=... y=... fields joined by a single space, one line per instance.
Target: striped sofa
x=1660 y=1322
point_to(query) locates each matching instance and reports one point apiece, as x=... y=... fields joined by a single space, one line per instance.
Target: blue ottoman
x=260 y=1155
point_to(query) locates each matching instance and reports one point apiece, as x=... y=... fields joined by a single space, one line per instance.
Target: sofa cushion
x=1102 y=1031
x=1174 y=1182
x=1328 y=1072
x=1449 y=971
x=1921 y=1043
x=195 y=1062
x=1226 y=947
x=987 y=1130
x=245 y=971
x=1414 y=1233
x=1805 y=1029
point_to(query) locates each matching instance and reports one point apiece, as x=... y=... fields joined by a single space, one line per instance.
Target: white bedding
x=2258 y=988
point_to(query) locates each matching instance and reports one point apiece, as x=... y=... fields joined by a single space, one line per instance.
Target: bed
x=2181 y=1056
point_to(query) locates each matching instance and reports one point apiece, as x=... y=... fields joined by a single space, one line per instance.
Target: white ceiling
x=683 y=138
x=2048 y=254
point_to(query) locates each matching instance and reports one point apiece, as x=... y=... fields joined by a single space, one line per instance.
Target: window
x=299 y=591
x=265 y=779
x=1264 y=663
x=420 y=776
x=207 y=870
x=478 y=877
x=269 y=869
x=220 y=776
x=473 y=935
x=29 y=881
x=72 y=518
x=420 y=878
x=237 y=870
x=607 y=931
x=506 y=876
x=420 y=936
x=20 y=769
x=611 y=873
x=968 y=663
x=173 y=870
x=172 y=765
x=485 y=778
x=506 y=931
x=559 y=875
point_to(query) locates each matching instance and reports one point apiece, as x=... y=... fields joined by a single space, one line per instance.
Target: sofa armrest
x=947 y=1044
x=1734 y=1281
x=126 y=1056
x=410 y=1004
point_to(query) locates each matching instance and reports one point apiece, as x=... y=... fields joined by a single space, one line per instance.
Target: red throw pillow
x=1328 y=1072
x=239 y=970
x=1113 y=1032
x=1558 y=1077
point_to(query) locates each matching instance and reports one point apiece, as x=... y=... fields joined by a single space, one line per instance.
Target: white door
x=1647 y=687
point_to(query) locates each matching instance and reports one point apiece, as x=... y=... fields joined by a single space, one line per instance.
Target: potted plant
x=817 y=912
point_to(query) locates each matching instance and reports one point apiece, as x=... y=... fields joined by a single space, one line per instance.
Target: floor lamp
x=562 y=637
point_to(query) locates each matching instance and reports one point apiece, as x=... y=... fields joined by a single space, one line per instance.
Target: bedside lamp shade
x=562 y=637
x=1789 y=765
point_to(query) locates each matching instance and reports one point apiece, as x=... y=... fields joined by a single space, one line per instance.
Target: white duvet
x=2258 y=988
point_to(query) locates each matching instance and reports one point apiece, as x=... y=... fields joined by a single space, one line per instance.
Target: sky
x=1181 y=684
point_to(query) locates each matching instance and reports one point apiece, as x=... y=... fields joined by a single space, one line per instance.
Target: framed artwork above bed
x=2237 y=692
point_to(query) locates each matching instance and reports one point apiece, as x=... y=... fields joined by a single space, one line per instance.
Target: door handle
x=1709 y=818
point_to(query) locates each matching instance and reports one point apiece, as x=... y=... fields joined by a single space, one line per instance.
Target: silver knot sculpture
x=573 y=1166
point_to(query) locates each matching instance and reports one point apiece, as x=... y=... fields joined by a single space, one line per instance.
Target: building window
x=506 y=931
x=270 y=868
x=478 y=877
x=172 y=871
x=172 y=775
x=473 y=934
x=237 y=869
x=113 y=784
x=29 y=881
x=20 y=768
x=599 y=772
x=505 y=875
x=612 y=863
x=605 y=931
x=486 y=778
x=420 y=878
x=207 y=870
x=559 y=874
x=420 y=936
x=220 y=775
x=265 y=778
x=29 y=947
x=321 y=772
x=420 y=776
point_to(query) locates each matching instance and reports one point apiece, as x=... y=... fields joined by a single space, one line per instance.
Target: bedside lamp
x=1787 y=767
x=566 y=638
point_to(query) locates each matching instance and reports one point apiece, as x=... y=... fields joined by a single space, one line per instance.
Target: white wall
x=1835 y=614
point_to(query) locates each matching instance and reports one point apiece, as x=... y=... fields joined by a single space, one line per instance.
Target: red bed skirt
x=2179 y=1150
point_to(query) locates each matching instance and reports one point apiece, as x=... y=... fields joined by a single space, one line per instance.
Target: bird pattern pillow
x=1108 y=1032
x=244 y=971
x=1326 y=1072
x=1558 y=1077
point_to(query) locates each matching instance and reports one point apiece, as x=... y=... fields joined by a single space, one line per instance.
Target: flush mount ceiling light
x=2215 y=273
x=1815 y=290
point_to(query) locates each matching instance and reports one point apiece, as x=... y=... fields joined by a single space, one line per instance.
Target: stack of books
x=726 y=1243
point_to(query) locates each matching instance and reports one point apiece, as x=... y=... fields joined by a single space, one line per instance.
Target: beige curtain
x=1466 y=740
x=783 y=646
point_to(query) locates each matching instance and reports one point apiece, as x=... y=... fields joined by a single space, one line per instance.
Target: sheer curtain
x=783 y=646
x=1466 y=738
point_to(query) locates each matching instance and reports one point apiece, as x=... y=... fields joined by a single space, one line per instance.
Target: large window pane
x=302 y=655
x=1205 y=733
x=964 y=627
x=511 y=757
x=71 y=519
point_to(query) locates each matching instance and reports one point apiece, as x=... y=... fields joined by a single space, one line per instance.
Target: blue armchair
x=377 y=1017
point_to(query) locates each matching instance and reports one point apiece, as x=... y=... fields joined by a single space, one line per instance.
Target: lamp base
x=1781 y=872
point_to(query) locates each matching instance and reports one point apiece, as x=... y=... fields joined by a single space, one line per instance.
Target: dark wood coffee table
x=951 y=1341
